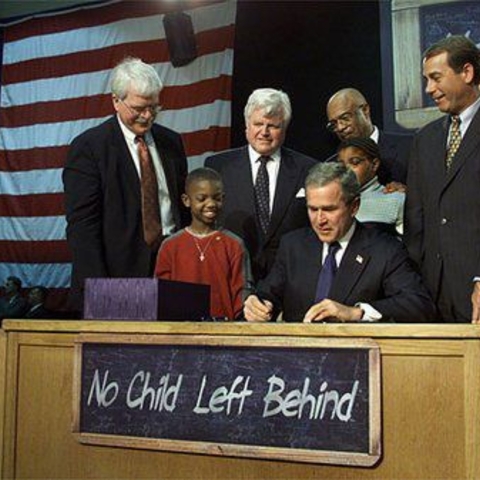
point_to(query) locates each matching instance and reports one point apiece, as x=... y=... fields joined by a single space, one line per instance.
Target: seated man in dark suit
x=261 y=221
x=36 y=300
x=375 y=280
x=13 y=305
x=349 y=116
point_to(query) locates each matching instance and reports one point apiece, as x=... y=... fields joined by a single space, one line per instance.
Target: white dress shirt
x=168 y=225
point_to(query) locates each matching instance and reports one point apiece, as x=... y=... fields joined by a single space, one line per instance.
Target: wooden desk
x=430 y=401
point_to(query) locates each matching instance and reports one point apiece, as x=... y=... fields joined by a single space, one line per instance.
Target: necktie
x=262 y=195
x=454 y=142
x=152 y=228
x=327 y=273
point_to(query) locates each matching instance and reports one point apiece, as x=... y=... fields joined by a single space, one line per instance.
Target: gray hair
x=133 y=74
x=324 y=173
x=273 y=102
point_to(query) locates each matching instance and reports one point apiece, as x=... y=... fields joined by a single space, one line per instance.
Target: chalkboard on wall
x=297 y=399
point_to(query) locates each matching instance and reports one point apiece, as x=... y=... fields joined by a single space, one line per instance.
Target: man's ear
x=468 y=73
x=376 y=164
x=355 y=205
x=186 y=200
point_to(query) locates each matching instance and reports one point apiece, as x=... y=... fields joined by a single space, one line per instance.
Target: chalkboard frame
x=362 y=459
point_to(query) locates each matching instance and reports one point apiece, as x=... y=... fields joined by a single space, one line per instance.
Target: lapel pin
x=359 y=259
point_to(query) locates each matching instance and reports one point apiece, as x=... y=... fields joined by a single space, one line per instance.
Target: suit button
x=439 y=256
x=444 y=221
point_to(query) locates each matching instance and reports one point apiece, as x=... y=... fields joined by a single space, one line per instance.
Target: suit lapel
x=353 y=264
x=124 y=162
x=243 y=184
x=469 y=144
x=285 y=190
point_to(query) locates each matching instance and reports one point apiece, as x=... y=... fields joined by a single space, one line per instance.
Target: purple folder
x=145 y=299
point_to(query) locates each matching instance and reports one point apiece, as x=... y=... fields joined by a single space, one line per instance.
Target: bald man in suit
x=349 y=116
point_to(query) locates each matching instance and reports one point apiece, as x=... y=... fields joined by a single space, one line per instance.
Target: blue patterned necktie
x=262 y=195
x=327 y=273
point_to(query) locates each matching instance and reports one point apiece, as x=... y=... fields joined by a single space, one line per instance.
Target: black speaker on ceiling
x=181 y=41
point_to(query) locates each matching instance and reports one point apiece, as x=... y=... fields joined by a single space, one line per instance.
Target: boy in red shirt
x=203 y=253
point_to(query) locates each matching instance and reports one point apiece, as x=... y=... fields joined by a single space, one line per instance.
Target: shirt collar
x=369 y=184
x=345 y=240
x=130 y=136
x=467 y=115
x=375 y=134
x=254 y=155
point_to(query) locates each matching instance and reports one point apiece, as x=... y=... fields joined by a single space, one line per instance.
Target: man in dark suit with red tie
x=336 y=269
x=442 y=221
x=109 y=227
x=263 y=166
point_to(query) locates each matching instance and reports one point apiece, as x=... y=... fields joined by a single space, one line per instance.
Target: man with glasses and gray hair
x=123 y=180
x=349 y=116
x=263 y=180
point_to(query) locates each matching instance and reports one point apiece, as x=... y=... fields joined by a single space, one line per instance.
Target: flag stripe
x=83 y=62
x=205 y=91
x=91 y=16
x=40 y=205
x=32 y=228
x=55 y=251
x=51 y=275
x=218 y=138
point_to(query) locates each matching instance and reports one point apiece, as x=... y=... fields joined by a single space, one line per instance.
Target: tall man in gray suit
x=267 y=115
x=442 y=228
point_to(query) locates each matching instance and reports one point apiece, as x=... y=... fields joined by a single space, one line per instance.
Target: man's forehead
x=340 y=105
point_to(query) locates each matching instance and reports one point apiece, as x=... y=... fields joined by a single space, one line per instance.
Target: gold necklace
x=201 y=252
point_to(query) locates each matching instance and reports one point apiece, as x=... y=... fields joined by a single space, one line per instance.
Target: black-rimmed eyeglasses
x=345 y=119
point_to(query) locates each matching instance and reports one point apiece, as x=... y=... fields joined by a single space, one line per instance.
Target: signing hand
x=256 y=310
x=328 y=309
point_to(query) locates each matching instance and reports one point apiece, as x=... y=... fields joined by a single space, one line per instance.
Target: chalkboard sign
x=312 y=400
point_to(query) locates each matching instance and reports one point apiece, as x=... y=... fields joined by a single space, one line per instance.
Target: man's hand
x=329 y=310
x=256 y=310
x=476 y=303
x=394 y=187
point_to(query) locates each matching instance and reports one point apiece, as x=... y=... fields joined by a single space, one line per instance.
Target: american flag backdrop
x=54 y=85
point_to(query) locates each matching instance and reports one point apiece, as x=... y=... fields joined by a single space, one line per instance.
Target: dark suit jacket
x=103 y=203
x=39 y=312
x=442 y=221
x=394 y=152
x=14 y=307
x=375 y=269
x=289 y=211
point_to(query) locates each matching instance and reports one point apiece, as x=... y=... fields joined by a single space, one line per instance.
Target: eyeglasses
x=137 y=111
x=345 y=118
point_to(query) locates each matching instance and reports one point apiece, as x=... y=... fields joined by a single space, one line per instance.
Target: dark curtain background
x=309 y=49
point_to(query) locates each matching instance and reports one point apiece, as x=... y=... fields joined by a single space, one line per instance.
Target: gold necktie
x=152 y=227
x=454 y=142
